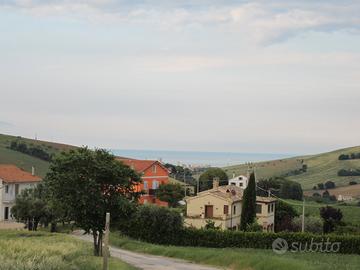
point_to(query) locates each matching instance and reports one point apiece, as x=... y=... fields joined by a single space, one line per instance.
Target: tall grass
x=241 y=259
x=21 y=250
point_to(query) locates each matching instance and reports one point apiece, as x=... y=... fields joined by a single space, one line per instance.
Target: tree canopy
x=171 y=193
x=206 y=178
x=88 y=184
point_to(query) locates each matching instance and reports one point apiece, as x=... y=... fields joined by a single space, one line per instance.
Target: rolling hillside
x=320 y=168
x=24 y=161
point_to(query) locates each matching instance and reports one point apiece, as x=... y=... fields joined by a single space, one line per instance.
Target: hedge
x=237 y=239
x=161 y=225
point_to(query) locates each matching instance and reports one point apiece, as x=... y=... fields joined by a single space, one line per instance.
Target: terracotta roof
x=137 y=164
x=13 y=174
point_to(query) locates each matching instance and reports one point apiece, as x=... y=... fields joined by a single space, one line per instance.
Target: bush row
x=164 y=226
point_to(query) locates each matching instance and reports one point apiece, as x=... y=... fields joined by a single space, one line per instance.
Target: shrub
x=352 y=183
x=312 y=224
x=329 y=185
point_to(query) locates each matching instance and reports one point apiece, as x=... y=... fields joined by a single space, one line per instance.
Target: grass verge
x=45 y=251
x=241 y=259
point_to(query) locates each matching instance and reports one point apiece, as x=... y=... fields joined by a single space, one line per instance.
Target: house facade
x=240 y=181
x=223 y=205
x=153 y=174
x=12 y=181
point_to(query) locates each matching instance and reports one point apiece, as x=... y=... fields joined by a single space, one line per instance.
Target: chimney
x=215 y=182
x=32 y=170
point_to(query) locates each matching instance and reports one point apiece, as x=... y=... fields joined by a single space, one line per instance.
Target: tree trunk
x=53 y=227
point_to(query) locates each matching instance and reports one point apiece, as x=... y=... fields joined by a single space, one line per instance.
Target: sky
x=270 y=76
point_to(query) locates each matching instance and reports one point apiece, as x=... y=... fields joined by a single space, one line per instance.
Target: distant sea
x=219 y=159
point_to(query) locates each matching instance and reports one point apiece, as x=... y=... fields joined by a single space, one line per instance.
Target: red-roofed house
x=153 y=174
x=12 y=181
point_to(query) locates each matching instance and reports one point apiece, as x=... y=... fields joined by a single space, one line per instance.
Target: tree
x=291 y=190
x=329 y=185
x=320 y=186
x=331 y=217
x=171 y=193
x=248 y=212
x=206 y=179
x=284 y=214
x=312 y=224
x=31 y=207
x=88 y=184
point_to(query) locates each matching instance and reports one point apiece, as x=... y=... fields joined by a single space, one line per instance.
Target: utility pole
x=185 y=182
x=303 y=217
x=197 y=188
x=106 y=243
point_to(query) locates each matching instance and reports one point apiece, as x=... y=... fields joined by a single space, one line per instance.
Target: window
x=258 y=208
x=234 y=210
x=16 y=189
x=272 y=207
x=155 y=184
x=154 y=168
x=145 y=185
x=269 y=208
x=6 y=188
x=226 y=209
x=241 y=184
x=233 y=184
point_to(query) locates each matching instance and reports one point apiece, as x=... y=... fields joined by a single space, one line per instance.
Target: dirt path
x=149 y=262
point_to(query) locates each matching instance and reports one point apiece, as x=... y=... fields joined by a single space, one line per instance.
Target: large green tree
x=87 y=184
x=171 y=193
x=206 y=178
x=248 y=212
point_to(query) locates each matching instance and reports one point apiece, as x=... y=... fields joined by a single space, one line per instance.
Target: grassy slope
x=8 y=156
x=351 y=214
x=321 y=168
x=241 y=259
x=44 y=251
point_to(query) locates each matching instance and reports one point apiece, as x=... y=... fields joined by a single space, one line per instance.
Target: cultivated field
x=44 y=251
x=320 y=168
x=8 y=156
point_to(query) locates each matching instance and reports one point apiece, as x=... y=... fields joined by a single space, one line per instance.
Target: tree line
x=35 y=151
x=349 y=156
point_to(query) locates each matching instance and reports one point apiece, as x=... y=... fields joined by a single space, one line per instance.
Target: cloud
x=263 y=22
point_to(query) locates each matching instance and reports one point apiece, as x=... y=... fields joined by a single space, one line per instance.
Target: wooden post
x=106 y=243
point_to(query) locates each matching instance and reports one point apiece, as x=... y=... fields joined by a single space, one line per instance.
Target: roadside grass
x=22 y=250
x=241 y=259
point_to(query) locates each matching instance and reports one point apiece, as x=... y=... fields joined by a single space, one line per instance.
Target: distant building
x=344 y=198
x=223 y=205
x=240 y=181
x=12 y=181
x=153 y=174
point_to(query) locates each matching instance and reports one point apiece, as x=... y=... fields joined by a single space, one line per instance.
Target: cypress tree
x=248 y=213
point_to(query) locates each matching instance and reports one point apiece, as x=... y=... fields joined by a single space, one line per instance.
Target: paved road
x=149 y=262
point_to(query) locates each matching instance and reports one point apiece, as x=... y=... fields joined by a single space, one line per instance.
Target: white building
x=240 y=181
x=12 y=181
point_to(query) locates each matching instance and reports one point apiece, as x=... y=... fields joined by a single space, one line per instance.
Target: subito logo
x=280 y=246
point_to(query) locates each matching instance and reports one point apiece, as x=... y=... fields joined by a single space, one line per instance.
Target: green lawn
x=241 y=259
x=22 y=250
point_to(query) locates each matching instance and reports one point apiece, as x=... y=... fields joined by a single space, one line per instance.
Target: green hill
x=24 y=161
x=320 y=168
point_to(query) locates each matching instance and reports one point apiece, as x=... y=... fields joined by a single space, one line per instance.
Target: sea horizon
x=199 y=158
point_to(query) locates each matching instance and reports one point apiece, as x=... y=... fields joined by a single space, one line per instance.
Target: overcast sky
x=242 y=76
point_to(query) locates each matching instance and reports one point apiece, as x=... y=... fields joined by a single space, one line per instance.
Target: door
x=209 y=211
x=6 y=213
